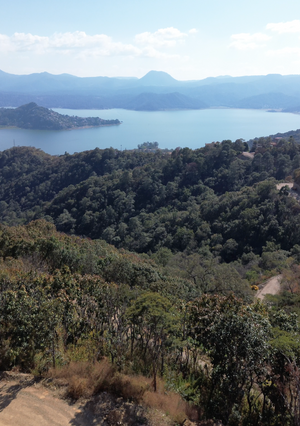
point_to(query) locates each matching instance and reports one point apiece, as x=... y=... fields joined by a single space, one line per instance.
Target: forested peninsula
x=135 y=273
x=32 y=116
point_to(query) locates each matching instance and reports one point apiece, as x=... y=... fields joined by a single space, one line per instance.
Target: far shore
x=59 y=130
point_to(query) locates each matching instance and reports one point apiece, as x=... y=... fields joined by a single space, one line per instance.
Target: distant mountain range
x=32 y=116
x=157 y=90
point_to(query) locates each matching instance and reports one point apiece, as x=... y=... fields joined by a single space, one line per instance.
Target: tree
x=154 y=322
x=235 y=338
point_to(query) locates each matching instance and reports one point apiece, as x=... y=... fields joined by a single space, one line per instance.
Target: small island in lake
x=32 y=116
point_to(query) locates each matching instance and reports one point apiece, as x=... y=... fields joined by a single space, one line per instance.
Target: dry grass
x=172 y=404
x=86 y=379
x=131 y=387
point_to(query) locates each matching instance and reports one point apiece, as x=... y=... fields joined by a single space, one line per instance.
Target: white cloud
x=5 y=43
x=81 y=45
x=285 y=27
x=193 y=31
x=77 y=42
x=286 y=51
x=28 y=42
x=151 y=52
x=79 y=39
x=246 y=41
x=165 y=37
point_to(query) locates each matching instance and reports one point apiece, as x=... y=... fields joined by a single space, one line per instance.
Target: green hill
x=210 y=200
x=209 y=226
x=32 y=116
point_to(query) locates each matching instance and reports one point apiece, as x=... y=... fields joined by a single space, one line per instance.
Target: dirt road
x=293 y=193
x=272 y=286
x=25 y=403
x=281 y=185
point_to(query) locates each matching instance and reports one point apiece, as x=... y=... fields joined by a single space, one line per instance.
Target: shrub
x=85 y=379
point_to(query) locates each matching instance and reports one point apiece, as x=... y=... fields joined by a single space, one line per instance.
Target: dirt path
x=26 y=403
x=281 y=185
x=293 y=193
x=272 y=286
x=248 y=155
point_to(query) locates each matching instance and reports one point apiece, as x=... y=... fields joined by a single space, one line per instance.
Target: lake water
x=171 y=129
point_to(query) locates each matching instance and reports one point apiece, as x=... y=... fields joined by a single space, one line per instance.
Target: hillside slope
x=212 y=199
x=32 y=116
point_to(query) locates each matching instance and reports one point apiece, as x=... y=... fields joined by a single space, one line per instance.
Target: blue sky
x=190 y=39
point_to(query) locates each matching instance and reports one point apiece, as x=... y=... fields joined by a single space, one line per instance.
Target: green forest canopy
x=202 y=226
x=211 y=200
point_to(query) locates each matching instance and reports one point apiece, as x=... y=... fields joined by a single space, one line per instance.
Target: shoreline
x=59 y=130
x=273 y=110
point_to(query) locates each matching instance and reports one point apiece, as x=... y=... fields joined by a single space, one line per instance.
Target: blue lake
x=171 y=129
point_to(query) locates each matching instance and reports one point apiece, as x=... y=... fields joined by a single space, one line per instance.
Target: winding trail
x=26 y=402
x=281 y=185
x=272 y=286
x=293 y=193
x=23 y=402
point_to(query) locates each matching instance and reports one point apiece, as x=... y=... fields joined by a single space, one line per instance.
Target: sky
x=190 y=39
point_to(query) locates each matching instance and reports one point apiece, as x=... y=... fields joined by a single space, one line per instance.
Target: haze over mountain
x=157 y=90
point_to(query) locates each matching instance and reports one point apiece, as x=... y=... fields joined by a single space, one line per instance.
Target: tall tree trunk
x=154 y=377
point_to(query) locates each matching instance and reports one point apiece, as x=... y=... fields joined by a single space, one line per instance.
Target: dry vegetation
x=84 y=379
